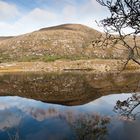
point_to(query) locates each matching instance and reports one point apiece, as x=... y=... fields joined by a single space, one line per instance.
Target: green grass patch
x=33 y=58
x=49 y=58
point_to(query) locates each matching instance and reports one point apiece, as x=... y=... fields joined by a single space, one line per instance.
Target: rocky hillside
x=4 y=38
x=68 y=41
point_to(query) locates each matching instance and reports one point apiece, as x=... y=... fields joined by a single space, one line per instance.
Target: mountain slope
x=4 y=38
x=68 y=41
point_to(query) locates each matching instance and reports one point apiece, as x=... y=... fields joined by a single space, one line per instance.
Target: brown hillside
x=68 y=41
x=67 y=88
x=4 y=38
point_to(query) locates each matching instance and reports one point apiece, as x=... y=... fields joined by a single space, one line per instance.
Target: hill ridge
x=66 y=41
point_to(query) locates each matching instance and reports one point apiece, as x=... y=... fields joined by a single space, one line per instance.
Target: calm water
x=75 y=107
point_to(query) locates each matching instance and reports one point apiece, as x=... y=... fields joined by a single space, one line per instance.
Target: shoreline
x=60 y=66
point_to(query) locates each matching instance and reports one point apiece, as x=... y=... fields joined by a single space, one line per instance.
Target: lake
x=69 y=106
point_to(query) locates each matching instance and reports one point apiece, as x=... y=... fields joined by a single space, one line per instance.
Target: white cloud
x=35 y=19
x=63 y=2
x=69 y=12
x=38 y=18
x=94 y=9
x=38 y=15
x=8 y=11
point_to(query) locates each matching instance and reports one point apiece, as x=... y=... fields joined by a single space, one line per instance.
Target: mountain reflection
x=51 y=122
x=84 y=126
x=26 y=119
x=67 y=88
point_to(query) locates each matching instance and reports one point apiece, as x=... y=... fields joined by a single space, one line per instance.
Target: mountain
x=4 y=38
x=67 y=41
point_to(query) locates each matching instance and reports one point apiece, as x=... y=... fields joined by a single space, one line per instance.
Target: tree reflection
x=127 y=107
x=73 y=124
x=90 y=127
x=13 y=132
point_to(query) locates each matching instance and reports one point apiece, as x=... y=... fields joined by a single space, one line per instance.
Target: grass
x=50 y=58
x=4 y=57
x=33 y=58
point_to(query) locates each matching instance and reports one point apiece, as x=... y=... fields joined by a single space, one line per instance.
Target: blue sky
x=23 y=16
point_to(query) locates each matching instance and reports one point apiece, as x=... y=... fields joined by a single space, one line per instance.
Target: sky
x=24 y=16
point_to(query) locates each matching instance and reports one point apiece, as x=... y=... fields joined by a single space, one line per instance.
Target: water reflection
x=27 y=119
x=90 y=127
x=89 y=113
x=67 y=88
x=129 y=108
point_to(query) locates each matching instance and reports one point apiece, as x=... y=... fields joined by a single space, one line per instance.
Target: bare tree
x=124 y=22
x=90 y=126
x=127 y=108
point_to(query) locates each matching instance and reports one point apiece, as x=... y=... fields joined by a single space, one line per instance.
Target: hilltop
x=68 y=41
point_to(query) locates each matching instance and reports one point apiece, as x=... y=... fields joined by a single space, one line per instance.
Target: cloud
x=8 y=11
x=66 y=11
x=94 y=9
x=35 y=19
x=63 y=2
x=69 y=12
x=38 y=15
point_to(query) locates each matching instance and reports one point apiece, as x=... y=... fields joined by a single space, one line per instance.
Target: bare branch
x=125 y=15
